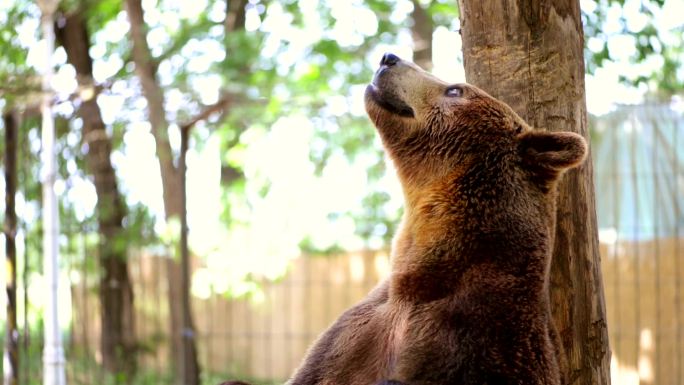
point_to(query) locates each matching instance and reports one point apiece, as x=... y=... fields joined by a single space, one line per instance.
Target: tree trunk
x=235 y=16
x=421 y=32
x=188 y=326
x=183 y=343
x=116 y=293
x=530 y=55
x=11 y=353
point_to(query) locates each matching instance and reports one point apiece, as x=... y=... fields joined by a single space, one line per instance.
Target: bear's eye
x=454 y=92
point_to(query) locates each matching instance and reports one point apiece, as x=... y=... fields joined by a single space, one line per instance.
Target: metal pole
x=53 y=353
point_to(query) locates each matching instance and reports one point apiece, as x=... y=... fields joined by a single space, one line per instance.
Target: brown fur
x=466 y=302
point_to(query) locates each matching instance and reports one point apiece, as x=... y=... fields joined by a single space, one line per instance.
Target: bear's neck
x=444 y=240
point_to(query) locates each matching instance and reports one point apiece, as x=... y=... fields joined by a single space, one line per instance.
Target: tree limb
x=146 y=69
x=219 y=106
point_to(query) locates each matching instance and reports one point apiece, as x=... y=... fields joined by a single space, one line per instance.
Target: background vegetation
x=282 y=161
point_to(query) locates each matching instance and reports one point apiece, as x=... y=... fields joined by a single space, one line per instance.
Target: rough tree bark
x=116 y=294
x=529 y=53
x=11 y=352
x=183 y=343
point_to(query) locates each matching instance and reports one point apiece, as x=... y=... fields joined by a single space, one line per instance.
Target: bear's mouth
x=389 y=102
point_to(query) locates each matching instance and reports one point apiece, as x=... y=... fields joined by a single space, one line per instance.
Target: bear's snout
x=389 y=59
x=385 y=89
x=402 y=88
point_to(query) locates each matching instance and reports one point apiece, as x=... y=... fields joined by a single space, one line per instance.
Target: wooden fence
x=266 y=336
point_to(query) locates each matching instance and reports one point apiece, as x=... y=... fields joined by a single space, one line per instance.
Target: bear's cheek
x=383 y=120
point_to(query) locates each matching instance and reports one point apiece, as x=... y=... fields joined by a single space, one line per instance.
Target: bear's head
x=458 y=150
x=432 y=129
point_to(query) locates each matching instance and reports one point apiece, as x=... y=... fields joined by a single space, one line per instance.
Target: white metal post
x=53 y=352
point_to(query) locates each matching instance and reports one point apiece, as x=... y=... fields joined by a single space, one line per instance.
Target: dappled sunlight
x=622 y=374
x=357 y=269
x=643 y=372
x=447 y=65
x=645 y=363
x=381 y=262
x=604 y=88
x=642 y=286
x=138 y=168
x=285 y=202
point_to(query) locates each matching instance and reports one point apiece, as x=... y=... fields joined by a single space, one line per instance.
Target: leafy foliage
x=289 y=59
x=642 y=34
x=19 y=83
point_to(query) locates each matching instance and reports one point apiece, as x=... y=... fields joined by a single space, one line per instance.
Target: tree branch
x=146 y=70
x=219 y=106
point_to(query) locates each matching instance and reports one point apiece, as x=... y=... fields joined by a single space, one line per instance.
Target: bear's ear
x=552 y=151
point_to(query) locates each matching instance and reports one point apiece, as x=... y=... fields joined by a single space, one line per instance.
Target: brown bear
x=466 y=301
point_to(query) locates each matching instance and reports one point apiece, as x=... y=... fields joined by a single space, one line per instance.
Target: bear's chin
x=387 y=102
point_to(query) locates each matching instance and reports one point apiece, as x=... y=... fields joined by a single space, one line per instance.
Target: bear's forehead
x=484 y=106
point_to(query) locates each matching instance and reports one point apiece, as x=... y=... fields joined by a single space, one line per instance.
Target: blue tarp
x=638 y=154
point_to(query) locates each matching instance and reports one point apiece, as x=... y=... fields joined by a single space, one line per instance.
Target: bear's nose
x=389 y=59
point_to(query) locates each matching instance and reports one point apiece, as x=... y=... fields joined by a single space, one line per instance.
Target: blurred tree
x=116 y=294
x=11 y=352
x=533 y=61
x=421 y=31
x=183 y=335
x=20 y=97
x=183 y=343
